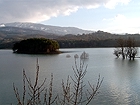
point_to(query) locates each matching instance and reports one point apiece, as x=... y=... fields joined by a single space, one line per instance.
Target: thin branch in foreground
x=76 y=95
x=34 y=92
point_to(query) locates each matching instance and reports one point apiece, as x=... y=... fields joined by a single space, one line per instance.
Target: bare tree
x=32 y=92
x=131 y=48
x=127 y=48
x=73 y=92
x=121 y=44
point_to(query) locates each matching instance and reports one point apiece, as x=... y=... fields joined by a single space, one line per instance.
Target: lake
x=121 y=84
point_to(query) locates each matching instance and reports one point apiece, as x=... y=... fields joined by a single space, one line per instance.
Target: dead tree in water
x=127 y=48
x=131 y=48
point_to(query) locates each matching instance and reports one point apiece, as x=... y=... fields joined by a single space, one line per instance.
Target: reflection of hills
x=9 y=35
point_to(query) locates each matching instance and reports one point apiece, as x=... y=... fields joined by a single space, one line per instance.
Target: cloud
x=40 y=10
x=123 y=24
x=112 y=3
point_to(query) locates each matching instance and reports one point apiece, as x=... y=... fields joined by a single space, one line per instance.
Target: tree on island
x=126 y=48
x=36 y=46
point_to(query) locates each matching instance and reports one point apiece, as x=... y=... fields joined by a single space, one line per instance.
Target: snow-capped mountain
x=47 y=28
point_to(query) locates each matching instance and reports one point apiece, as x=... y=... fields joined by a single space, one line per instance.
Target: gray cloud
x=40 y=10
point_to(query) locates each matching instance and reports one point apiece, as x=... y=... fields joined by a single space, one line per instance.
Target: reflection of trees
x=123 y=86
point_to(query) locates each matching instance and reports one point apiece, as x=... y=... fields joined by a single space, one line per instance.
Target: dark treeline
x=36 y=46
x=96 y=39
x=91 y=40
x=86 y=44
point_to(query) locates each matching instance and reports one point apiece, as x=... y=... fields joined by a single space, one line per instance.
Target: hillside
x=9 y=35
x=96 y=39
x=47 y=28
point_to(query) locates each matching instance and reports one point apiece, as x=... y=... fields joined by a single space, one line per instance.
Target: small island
x=37 y=46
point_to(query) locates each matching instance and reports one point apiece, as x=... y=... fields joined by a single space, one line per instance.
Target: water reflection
x=121 y=84
x=124 y=86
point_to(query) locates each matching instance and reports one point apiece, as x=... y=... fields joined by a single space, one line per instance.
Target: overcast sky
x=116 y=16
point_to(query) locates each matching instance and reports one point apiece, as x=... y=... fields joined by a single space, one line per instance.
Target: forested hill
x=10 y=35
x=96 y=39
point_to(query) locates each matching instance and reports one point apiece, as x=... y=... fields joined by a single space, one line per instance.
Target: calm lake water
x=121 y=84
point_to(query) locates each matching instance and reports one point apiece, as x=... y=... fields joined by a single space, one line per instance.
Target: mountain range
x=57 y=30
x=67 y=37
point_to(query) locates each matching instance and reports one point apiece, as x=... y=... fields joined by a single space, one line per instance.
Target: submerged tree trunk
x=126 y=48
